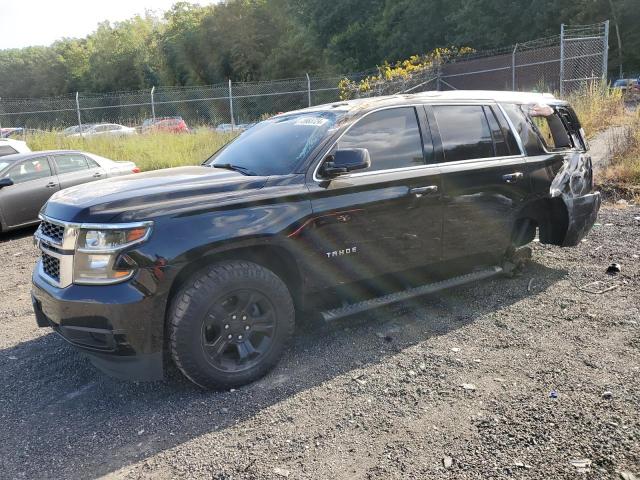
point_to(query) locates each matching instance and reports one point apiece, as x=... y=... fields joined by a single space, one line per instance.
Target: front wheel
x=230 y=323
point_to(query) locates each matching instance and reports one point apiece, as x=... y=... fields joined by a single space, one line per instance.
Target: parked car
x=9 y=132
x=76 y=129
x=165 y=124
x=10 y=146
x=224 y=128
x=627 y=84
x=27 y=180
x=241 y=127
x=104 y=129
x=336 y=208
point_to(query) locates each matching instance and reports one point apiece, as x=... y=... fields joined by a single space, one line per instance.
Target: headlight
x=111 y=239
x=99 y=247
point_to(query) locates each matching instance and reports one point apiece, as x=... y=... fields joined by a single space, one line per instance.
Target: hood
x=150 y=194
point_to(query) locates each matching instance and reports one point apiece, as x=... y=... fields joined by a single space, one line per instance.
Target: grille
x=53 y=231
x=51 y=266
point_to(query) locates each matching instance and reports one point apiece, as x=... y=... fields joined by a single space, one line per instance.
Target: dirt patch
x=532 y=377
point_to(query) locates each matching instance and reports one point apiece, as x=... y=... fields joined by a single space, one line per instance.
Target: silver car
x=27 y=180
x=104 y=130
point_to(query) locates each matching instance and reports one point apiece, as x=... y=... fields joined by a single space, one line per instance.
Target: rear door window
x=464 y=132
x=68 y=163
x=500 y=143
x=392 y=137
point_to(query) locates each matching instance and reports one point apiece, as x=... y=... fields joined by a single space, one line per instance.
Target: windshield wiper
x=235 y=168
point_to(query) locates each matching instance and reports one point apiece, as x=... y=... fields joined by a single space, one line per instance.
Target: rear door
x=484 y=176
x=386 y=218
x=34 y=182
x=74 y=169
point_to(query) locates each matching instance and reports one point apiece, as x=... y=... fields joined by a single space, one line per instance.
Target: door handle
x=97 y=175
x=51 y=185
x=512 y=177
x=420 y=191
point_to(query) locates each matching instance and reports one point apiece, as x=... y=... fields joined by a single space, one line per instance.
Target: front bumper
x=582 y=213
x=119 y=327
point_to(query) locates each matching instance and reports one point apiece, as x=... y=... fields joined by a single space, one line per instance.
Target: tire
x=229 y=324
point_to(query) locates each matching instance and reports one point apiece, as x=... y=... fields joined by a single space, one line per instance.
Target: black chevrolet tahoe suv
x=332 y=210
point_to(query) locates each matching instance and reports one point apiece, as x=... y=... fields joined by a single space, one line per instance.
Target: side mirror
x=345 y=161
x=5 y=182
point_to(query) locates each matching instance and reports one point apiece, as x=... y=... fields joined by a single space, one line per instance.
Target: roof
x=434 y=97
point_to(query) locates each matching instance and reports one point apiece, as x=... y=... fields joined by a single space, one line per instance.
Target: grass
x=150 y=151
x=622 y=175
x=598 y=107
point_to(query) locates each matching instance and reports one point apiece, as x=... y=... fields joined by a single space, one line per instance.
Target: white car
x=114 y=167
x=9 y=146
x=105 y=129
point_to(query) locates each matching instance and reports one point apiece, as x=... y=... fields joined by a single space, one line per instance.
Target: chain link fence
x=561 y=63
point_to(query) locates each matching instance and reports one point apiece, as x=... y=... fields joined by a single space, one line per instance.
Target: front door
x=385 y=218
x=485 y=179
x=34 y=182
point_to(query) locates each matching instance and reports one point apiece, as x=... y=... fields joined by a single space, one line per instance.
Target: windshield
x=4 y=165
x=277 y=145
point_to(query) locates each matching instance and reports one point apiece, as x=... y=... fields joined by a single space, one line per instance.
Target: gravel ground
x=458 y=385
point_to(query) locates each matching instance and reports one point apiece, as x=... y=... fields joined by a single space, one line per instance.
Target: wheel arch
x=551 y=217
x=274 y=257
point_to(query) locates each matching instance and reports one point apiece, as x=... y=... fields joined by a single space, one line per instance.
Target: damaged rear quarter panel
x=573 y=184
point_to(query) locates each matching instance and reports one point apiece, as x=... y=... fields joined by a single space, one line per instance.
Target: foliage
x=598 y=107
x=622 y=174
x=266 y=39
x=150 y=151
x=388 y=75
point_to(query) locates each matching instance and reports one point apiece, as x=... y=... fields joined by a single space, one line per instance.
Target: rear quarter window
x=524 y=128
x=552 y=131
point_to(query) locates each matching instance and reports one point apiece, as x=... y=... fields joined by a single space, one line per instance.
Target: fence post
x=233 y=122
x=308 y=88
x=153 y=106
x=78 y=111
x=513 y=68
x=605 y=51
x=562 y=59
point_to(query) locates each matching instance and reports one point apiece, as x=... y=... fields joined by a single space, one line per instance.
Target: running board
x=365 y=305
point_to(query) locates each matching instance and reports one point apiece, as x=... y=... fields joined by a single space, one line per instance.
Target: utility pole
x=153 y=106
x=561 y=59
x=233 y=122
x=78 y=111
x=615 y=21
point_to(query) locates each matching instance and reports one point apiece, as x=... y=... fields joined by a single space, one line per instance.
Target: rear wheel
x=230 y=324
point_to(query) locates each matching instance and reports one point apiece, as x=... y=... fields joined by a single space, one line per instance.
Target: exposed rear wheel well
x=549 y=215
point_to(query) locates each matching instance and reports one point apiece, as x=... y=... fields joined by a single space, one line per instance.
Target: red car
x=166 y=124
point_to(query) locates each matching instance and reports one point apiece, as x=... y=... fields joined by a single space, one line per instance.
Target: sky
x=40 y=22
